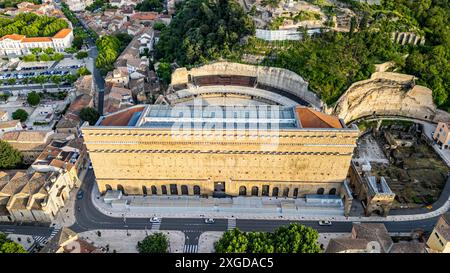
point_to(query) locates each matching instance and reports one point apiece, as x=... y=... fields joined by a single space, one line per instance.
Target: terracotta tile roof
x=16 y=183
x=310 y=118
x=36 y=39
x=373 y=232
x=145 y=16
x=16 y=37
x=26 y=136
x=9 y=123
x=121 y=118
x=337 y=245
x=62 y=33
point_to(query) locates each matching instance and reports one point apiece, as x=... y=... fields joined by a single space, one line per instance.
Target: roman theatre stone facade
x=137 y=151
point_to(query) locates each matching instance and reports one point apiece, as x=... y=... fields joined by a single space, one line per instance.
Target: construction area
x=410 y=166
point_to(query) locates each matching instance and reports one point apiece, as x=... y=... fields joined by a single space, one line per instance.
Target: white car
x=209 y=221
x=324 y=223
x=155 y=220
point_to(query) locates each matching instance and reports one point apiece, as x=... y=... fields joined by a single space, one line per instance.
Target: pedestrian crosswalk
x=190 y=249
x=231 y=223
x=38 y=240
x=54 y=232
x=155 y=226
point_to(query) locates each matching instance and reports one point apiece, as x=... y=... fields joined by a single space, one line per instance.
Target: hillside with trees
x=31 y=25
x=331 y=62
x=204 y=30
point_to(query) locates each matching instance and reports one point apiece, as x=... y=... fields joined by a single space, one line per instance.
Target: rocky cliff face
x=387 y=93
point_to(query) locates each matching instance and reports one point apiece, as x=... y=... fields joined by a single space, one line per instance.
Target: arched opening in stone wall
x=173 y=189
x=144 y=190
x=108 y=187
x=286 y=192
x=295 y=194
x=242 y=190
x=154 y=190
x=196 y=190
x=265 y=190
x=184 y=190
x=163 y=189
x=120 y=188
x=275 y=192
x=255 y=191
x=320 y=191
x=332 y=191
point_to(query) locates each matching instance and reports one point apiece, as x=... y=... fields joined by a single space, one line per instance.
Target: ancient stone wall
x=388 y=94
x=279 y=78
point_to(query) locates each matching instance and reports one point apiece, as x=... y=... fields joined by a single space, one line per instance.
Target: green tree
x=83 y=71
x=232 y=241
x=90 y=115
x=29 y=58
x=33 y=98
x=58 y=57
x=155 y=243
x=204 y=30
x=164 y=72
x=10 y=157
x=150 y=5
x=295 y=238
x=44 y=57
x=159 y=26
x=81 y=55
x=12 y=81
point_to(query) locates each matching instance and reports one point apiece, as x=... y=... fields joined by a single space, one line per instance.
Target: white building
x=9 y=126
x=21 y=45
x=78 y=5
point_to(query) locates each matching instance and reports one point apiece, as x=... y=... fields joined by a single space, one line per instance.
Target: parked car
x=324 y=223
x=80 y=194
x=155 y=220
x=209 y=221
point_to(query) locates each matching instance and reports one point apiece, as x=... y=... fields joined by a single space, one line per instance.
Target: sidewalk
x=217 y=208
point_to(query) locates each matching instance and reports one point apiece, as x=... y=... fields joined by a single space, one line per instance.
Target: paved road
x=90 y=218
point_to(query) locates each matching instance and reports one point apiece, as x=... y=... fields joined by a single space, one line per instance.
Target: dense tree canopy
x=155 y=243
x=150 y=5
x=10 y=158
x=90 y=115
x=294 y=238
x=109 y=48
x=9 y=246
x=33 y=98
x=31 y=25
x=203 y=30
x=332 y=61
x=20 y=114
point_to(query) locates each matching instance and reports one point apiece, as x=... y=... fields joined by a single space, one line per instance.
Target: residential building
x=68 y=241
x=3 y=115
x=16 y=44
x=9 y=126
x=71 y=121
x=117 y=98
x=373 y=238
x=300 y=152
x=78 y=5
x=13 y=185
x=29 y=142
x=441 y=134
x=439 y=240
x=67 y=156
